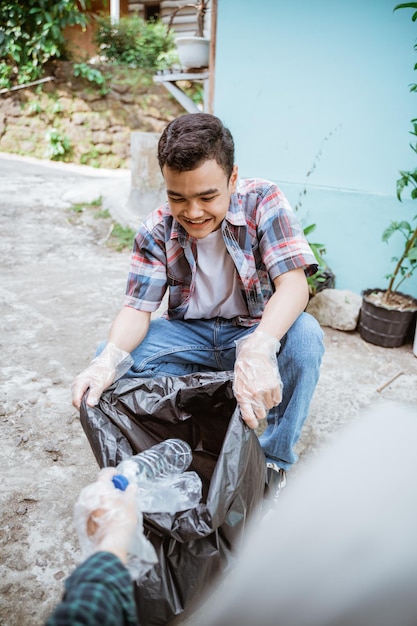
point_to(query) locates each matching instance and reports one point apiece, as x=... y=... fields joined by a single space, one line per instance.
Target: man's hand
x=257 y=382
x=105 y=517
x=110 y=365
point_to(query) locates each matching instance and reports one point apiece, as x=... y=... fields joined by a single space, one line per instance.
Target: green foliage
x=31 y=33
x=194 y=90
x=35 y=107
x=121 y=237
x=90 y=158
x=104 y=214
x=408 y=5
x=409 y=178
x=92 y=74
x=324 y=277
x=59 y=145
x=79 y=207
x=57 y=108
x=405 y=264
x=135 y=43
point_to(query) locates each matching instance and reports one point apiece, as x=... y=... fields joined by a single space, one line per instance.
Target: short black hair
x=190 y=140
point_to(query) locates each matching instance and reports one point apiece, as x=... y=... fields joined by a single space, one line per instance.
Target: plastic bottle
x=164 y=485
x=168 y=458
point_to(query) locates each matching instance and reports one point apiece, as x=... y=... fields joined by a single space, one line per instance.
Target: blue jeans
x=179 y=347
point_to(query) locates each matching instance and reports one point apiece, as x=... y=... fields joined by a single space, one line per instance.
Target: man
x=234 y=260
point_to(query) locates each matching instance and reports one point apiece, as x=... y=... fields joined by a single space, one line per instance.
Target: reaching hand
x=111 y=364
x=257 y=382
x=106 y=517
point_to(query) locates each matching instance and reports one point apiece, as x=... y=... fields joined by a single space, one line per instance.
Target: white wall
x=295 y=78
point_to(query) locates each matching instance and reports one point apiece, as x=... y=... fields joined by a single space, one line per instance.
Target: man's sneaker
x=276 y=479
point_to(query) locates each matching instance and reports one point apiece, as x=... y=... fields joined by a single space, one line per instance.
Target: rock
x=119 y=136
x=79 y=118
x=98 y=123
x=79 y=106
x=11 y=107
x=102 y=148
x=91 y=96
x=121 y=150
x=119 y=88
x=51 y=446
x=21 y=510
x=336 y=308
x=127 y=98
x=100 y=137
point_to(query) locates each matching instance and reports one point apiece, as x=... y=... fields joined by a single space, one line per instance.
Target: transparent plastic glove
x=107 y=367
x=257 y=382
x=109 y=519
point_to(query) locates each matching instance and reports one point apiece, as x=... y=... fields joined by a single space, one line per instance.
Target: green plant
x=324 y=277
x=31 y=33
x=104 y=214
x=90 y=158
x=406 y=263
x=79 y=207
x=57 y=108
x=59 y=145
x=121 y=237
x=118 y=237
x=92 y=74
x=134 y=42
x=34 y=107
x=194 y=90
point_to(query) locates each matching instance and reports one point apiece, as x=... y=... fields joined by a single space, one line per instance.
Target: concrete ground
x=60 y=287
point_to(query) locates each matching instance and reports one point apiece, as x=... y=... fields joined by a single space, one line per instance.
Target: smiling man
x=234 y=260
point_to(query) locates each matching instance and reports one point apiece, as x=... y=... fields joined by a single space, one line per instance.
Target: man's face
x=199 y=199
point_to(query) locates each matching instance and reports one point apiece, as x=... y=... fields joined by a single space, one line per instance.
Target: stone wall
x=97 y=125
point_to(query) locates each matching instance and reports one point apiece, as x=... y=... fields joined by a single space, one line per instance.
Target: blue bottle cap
x=120 y=482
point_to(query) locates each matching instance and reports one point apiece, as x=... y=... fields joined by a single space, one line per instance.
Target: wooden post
x=212 y=57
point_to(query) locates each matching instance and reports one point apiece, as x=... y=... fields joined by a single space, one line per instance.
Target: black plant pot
x=382 y=326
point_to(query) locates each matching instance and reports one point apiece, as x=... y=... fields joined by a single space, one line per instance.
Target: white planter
x=193 y=52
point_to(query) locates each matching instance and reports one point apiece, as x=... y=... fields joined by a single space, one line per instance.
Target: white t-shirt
x=217 y=290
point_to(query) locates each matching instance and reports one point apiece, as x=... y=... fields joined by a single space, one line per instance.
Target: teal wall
x=297 y=79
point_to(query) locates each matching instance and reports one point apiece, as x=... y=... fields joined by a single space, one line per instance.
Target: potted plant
x=387 y=315
x=193 y=50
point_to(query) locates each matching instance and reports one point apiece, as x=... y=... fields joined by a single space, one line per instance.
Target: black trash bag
x=195 y=546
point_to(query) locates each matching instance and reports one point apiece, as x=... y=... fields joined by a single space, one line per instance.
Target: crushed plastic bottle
x=159 y=472
x=170 y=457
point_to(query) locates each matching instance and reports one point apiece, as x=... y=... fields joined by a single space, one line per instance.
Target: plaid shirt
x=261 y=233
x=98 y=593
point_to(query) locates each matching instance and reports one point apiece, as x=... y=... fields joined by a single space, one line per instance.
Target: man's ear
x=233 y=179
